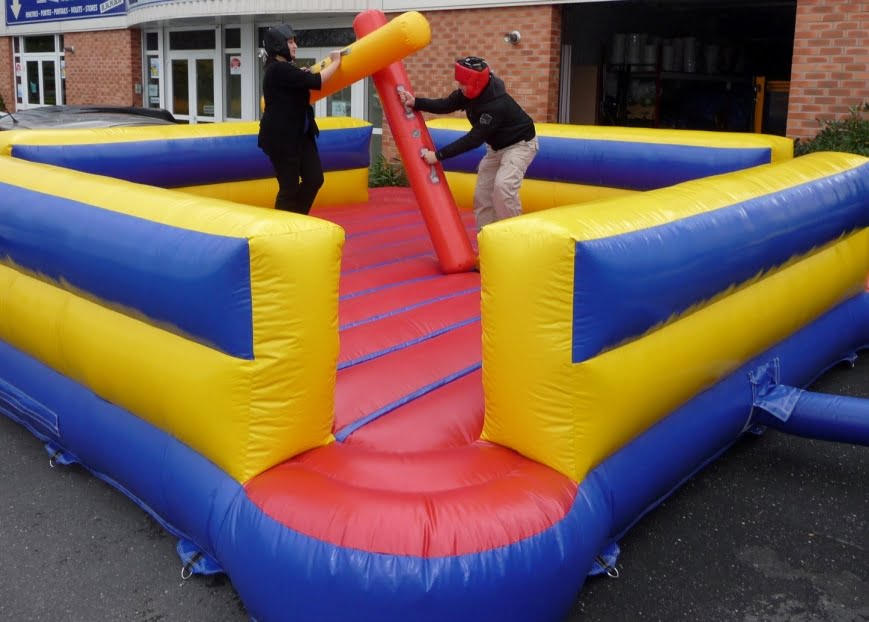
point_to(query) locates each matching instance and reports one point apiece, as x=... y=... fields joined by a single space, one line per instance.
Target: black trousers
x=300 y=176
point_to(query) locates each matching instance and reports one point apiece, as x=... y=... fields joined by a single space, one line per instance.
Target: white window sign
x=339 y=108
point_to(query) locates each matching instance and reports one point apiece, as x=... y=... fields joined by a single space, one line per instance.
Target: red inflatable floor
x=409 y=475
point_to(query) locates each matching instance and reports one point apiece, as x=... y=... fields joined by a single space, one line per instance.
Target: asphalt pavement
x=776 y=530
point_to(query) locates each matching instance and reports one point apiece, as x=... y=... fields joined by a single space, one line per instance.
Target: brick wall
x=104 y=68
x=530 y=69
x=830 y=69
x=7 y=77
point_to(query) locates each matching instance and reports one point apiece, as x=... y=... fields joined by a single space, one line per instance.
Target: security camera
x=512 y=37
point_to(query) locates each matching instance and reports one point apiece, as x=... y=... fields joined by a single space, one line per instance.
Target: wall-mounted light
x=70 y=49
x=512 y=37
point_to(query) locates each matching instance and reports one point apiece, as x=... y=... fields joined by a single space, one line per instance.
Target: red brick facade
x=7 y=78
x=105 y=67
x=830 y=70
x=530 y=69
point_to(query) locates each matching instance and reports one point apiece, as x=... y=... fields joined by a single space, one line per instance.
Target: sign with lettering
x=29 y=11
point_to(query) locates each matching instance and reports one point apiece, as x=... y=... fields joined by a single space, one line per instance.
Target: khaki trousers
x=499 y=177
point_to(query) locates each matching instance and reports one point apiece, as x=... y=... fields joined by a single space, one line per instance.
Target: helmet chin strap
x=287 y=54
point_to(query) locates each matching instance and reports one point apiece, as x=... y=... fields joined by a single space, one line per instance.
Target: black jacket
x=288 y=112
x=495 y=118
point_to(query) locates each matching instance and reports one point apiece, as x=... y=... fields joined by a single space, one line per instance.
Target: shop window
x=332 y=38
x=39 y=45
x=192 y=40
x=232 y=72
x=153 y=70
x=232 y=38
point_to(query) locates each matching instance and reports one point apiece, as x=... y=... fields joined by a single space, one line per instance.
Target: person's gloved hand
x=429 y=156
x=407 y=99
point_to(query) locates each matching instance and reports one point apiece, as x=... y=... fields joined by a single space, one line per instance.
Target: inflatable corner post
x=439 y=211
x=623 y=295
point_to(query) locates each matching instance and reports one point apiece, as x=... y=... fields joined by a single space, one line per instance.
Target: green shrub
x=850 y=134
x=385 y=173
x=2 y=104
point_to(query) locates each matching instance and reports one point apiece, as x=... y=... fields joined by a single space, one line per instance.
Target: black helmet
x=472 y=62
x=275 y=41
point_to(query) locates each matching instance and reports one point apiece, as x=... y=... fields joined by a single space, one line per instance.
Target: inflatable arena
x=345 y=417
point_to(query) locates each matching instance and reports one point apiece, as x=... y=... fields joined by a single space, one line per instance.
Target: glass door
x=192 y=86
x=39 y=70
x=192 y=79
x=41 y=82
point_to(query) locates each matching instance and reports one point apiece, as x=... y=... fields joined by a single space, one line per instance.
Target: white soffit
x=392 y=6
x=159 y=10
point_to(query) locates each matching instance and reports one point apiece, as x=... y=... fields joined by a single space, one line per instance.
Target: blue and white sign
x=30 y=11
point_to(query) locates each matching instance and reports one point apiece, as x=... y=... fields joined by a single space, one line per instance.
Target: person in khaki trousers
x=497 y=120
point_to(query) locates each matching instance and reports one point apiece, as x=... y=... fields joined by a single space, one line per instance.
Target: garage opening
x=688 y=64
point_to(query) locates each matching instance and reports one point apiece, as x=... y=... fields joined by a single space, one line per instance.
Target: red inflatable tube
x=439 y=211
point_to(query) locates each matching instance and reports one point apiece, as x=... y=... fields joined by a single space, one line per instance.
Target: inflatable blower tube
x=826 y=417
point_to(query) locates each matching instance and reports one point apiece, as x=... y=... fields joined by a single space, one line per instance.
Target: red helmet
x=472 y=72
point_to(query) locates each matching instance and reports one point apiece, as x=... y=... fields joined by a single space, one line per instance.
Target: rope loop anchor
x=187 y=569
x=611 y=571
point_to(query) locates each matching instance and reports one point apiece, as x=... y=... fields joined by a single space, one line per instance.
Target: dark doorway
x=688 y=64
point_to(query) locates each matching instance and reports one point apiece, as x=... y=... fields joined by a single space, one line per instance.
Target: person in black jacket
x=497 y=120
x=288 y=131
